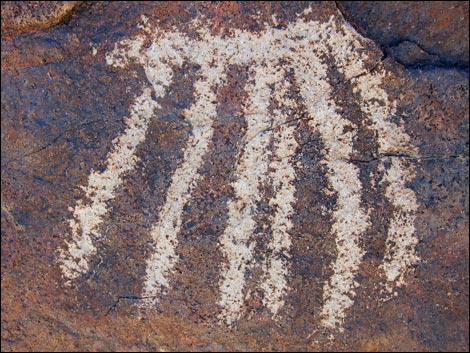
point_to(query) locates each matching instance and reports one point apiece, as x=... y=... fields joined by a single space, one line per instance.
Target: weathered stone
x=21 y=16
x=409 y=54
x=433 y=32
x=67 y=95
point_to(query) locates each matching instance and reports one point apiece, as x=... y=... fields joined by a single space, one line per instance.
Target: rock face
x=233 y=176
x=432 y=32
x=23 y=16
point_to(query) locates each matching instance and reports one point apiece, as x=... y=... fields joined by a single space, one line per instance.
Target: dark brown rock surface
x=415 y=32
x=64 y=108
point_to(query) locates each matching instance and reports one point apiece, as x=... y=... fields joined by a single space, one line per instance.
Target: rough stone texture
x=62 y=105
x=22 y=16
x=414 y=32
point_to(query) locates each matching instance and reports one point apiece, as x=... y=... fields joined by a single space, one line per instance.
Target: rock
x=436 y=31
x=409 y=54
x=20 y=16
x=230 y=176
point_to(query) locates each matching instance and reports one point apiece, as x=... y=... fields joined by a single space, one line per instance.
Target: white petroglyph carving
x=269 y=54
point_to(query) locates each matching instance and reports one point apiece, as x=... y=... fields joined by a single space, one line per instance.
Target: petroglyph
x=266 y=158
